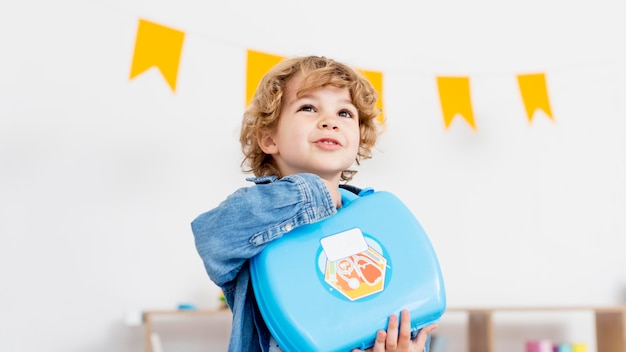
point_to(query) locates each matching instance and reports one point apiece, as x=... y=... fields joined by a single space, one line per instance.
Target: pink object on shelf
x=539 y=346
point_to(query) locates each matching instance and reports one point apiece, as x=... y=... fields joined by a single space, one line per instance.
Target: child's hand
x=391 y=341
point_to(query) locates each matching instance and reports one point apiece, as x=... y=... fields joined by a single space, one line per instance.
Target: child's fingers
x=391 y=342
x=422 y=336
x=404 y=339
x=398 y=336
x=381 y=336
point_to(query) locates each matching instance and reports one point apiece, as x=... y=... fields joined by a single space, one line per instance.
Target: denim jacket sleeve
x=243 y=224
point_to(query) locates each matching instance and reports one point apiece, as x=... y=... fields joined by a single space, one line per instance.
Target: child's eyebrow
x=298 y=98
x=307 y=95
x=294 y=100
x=300 y=95
x=312 y=96
x=348 y=101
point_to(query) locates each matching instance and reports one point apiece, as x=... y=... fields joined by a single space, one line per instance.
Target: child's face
x=316 y=133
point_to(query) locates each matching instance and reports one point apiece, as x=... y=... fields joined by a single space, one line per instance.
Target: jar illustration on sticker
x=352 y=265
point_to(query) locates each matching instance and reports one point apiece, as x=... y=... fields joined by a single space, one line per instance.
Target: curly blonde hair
x=264 y=110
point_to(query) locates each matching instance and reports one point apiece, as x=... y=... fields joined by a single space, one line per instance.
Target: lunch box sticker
x=352 y=265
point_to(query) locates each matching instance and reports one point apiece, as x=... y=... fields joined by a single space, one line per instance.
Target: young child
x=309 y=121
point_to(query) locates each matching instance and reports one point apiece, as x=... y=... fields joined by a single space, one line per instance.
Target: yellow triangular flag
x=258 y=65
x=376 y=79
x=157 y=46
x=454 y=94
x=579 y=347
x=535 y=94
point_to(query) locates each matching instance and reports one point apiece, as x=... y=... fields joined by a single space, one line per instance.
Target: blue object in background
x=186 y=306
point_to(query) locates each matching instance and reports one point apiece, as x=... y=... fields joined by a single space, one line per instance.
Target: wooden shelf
x=610 y=323
x=149 y=315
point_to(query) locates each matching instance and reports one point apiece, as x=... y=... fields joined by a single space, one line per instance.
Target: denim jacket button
x=287 y=227
x=321 y=209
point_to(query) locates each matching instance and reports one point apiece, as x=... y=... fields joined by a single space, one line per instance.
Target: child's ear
x=266 y=142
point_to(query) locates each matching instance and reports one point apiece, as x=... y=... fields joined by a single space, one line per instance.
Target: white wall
x=100 y=175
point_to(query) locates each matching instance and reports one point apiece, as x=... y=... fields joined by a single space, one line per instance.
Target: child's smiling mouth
x=328 y=142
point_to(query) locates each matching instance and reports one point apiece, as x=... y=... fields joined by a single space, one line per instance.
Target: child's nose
x=329 y=123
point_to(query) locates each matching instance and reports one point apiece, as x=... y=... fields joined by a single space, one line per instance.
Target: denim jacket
x=241 y=226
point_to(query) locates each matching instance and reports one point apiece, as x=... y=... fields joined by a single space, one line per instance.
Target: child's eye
x=346 y=113
x=307 y=108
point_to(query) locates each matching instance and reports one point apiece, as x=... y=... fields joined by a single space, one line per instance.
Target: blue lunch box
x=331 y=285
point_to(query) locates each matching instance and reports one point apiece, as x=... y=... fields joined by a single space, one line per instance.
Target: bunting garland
x=376 y=79
x=157 y=46
x=534 y=94
x=161 y=47
x=454 y=95
x=258 y=64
